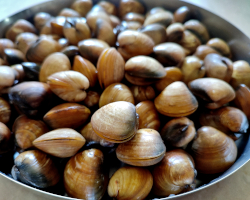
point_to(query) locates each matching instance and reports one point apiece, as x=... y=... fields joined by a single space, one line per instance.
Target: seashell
x=62 y=142
x=115 y=122
x=13 y=56
x=26 y=130
x=7 y=76
x=120 y=186
x=220 y=45
x=5 y=111
x=189 y=42
x=203 y=50
x=5 y=43
x=67 y=12
x=67 y=115
x=142 y=93
x=92 y=99
x=24 y=41
x=82 y=6
x=213 y=151
x=148 y=115
x=213 y=91
x=242 y=99
x=31 y=71
x=155 y=10
x=164 y=18
x=140 y=81
x=124 y=25
x=176 y=101
x=40 y=19
x=110 y=67
x=84 y=176
x=116 y=92
x=146 y=148
x=131 y=16
x=178 y=132
x=57 y=25
x=182 y=14
x=104 y=32
x=127 y=6
x=109 y=7
x=69 y=85
x=157 y=33
x=175 y=32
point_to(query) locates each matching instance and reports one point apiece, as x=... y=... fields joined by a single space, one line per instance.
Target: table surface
x=236 y=186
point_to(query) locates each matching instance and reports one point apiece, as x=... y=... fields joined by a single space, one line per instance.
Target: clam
x=115 y=21
x=63 y=42
x=40 y=19
x=32 y=98
x=116 y=92
x=110 y=67
x=18 y=27
x=189 y=42
x=242 y=99
x=35 y=168
x=75 y=30
x=220 y=45
x=109 y=7
x=133 y=43
x=19 y=73
x=198 y=29
x=82 y=6
x=142 y=93
x=86 y=68
x=182 y=14
x=67 y=115
x=24 y=41
x=91 y=49
x=62 y=142
x=169 y=54
x=175 y=32
x=213 y=91
x=84 y=176
x=120 y=186
x=218 y=67
x=6 y=142
x=55 y=62
x=5 y=43
x=203 y=50
x=92 y=99
x=226 y=119
x=172 y=74
x=31 y=71
x=124 y=25
x=116 y=122
x=7 y=77
x=146 y=148
x=213 y=151
x=131 y=16
x=157 y=33
x=155 y=10
x=26 y=130
x=176 y=100
x=127 y=6
x=71 y=51
x=57 y=25
x=69 y=85
x=67 y=12
x=178 y=132
x=174 y=173
x=241 y=71
x=192 y=68
x=148 y=115
x=5 y=111
x=13 y=56
x=164 y=18
x=104 y=32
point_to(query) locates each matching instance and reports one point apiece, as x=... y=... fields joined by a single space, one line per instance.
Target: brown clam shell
x=24 y=41
x=157 y=33
x=175 y=32
x=220 y=45
x=142 y=93
x=40 y=19
x=5 y=43
x=5 y=139
x=164 y=18
x=5 y=111
x=203 y=50
x=82 y=6
x=242 y=99
x=182 y=14
x=127 y=6
x=189 y=42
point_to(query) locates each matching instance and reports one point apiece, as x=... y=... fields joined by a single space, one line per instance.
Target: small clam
x=203 y=50
x=91 y=49
x=155 y=10
x=189 y=42
x=13 y=56
x=198 y=29
x=124 y=25
x=164 y=18
x=120 y=186
x=242 y=99
x=182 y=14
x=134 y=17
x=174 y=173
x=57 y=25
x=82 y=6
x=115 y=21
x=5 y=111
x=175 y=32
x=92 y=99
x=75 y=30
x=133 y=43
x=18 y=27
x=109 y=7
x=157 y=33
x=218 y=67
x=62 y=142
x=148 y=115
x=26 y=130
x=146 y=148
x=19 y=73
x=226 y=119
x=35 y=168
x=31 y=71
x=241 y=73
x=220 y=45
x=176 y=100
x=178 y=132
x=213 y=91
x=67 y=12
x=7 y=76
x=67 y=115
x=84 y=175
x=169 y=53
x=116 y=92
x=172 y=74
x=5 y=43
x=192 y=68
x=213 y=151
x=127 y=6
x=69 y=85
x=71 y=51
x=115 y=122
x=55 y=62
x=40 y=19
x=24 y=41
x=104 y=32
x=142 y=93
x=5 y=139
x=110 y=67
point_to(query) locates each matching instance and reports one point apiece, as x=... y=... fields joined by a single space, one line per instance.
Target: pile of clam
x=106 y=101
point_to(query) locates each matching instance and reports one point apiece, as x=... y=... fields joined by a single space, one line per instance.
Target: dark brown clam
x=13 y=56
x=182 y=14
x=157 y=33
x=175 y=32
x=31 y=71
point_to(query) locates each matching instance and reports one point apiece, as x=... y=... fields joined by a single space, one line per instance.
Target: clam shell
x=127 y=6
x=5 y=111
x=157 y=33
x=164 y=18
x=142 y=93
x=220 y=45
x=242 y=99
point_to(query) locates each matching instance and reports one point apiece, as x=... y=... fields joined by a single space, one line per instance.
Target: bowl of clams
x=121 y=100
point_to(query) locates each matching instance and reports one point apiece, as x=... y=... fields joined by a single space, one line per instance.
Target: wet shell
x=203 y=50
x=62 y=142
x=127 y=6
x=157 y=33
x=164 y=18
x=5 y=43
x=182 y=14
x=82 y=6
x=242 y=99
x=144 y=149
x=6 y=139
x=142 y=93
x=115 y=122
x=220 y=45
x=176 y=101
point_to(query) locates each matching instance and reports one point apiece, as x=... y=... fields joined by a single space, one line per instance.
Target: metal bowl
x=218 y=27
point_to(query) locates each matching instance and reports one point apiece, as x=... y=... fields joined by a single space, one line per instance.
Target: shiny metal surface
x=239 y=44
